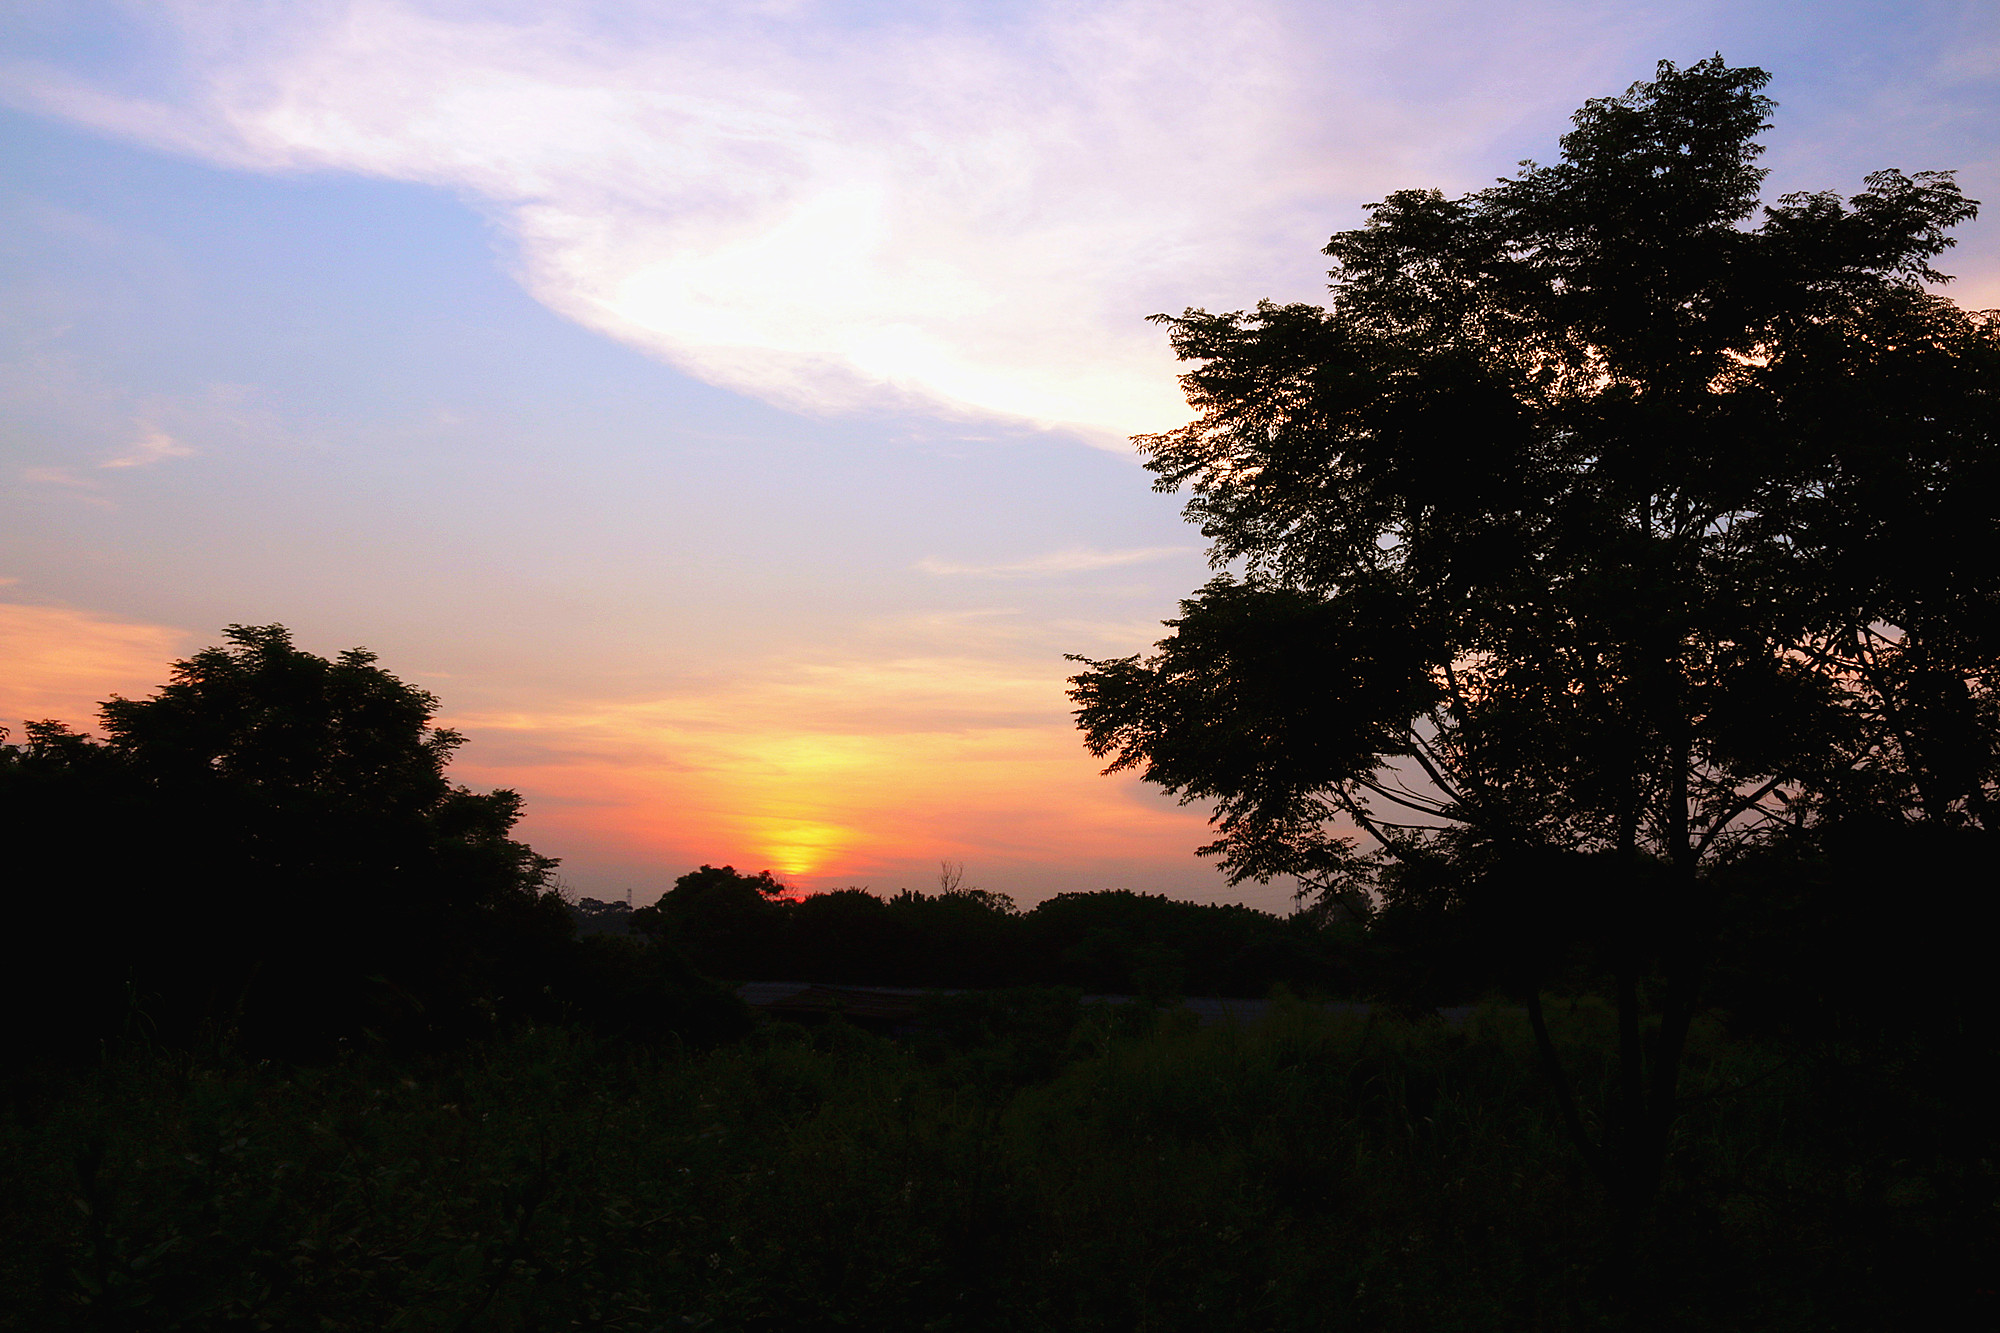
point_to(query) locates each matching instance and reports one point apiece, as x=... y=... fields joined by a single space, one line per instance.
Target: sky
x=725 y=409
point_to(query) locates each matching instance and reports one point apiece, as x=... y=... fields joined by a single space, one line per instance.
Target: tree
x=1592 y=537
x=270 y=843
x=727 y=923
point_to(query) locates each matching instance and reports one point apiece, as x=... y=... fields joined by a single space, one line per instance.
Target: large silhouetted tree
x=1605 y=525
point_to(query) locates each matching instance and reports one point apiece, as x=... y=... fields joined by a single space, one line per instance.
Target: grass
x=1115 y=1172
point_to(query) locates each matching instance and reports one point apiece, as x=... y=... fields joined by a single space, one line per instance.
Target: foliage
x=594 y=916
x=1879 y=940
x=1120 y=942
x=743 y=927
x=1588 y=505
x=1321 y=1171
x=1591 y=538
x=719 y=917
x=268 y=849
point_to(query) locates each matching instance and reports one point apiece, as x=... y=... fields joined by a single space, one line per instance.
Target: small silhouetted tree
x=957 y=936
x=1604 y=527
x=593 y=916
x=269 y=843
x=727 y=924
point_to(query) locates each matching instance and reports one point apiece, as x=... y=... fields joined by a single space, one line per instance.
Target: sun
x=798 y=846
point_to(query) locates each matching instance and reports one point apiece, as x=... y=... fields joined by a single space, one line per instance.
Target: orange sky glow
x=828 y=774
x=60 y=663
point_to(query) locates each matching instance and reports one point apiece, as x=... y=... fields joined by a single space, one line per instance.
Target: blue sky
x=723 y=408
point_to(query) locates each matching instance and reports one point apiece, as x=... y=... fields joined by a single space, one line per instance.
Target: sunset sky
x=724 y=407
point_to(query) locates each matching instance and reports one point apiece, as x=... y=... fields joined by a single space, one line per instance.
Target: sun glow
x=793 y=847
x=824 y=772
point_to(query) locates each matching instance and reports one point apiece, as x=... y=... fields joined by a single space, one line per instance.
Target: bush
x=1318 y=1171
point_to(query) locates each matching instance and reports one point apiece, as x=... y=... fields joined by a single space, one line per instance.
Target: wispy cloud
x=82 y=490
x=827 y=204
x=55 y=476
x=1074 y=560
x=152 y=447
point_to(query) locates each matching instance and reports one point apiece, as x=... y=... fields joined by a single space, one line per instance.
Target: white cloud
x=1074 y=560
x=152 y=447
x=831 y=205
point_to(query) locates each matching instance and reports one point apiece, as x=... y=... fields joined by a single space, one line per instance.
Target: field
x=1026 y=1164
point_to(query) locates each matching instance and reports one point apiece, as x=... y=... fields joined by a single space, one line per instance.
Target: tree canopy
x=1606 y=518
x=1587 y=512
x=270 y=843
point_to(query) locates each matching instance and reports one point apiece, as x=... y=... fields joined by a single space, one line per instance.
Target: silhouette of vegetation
x=1037 y=1169
x=559 y=1136
x=1607 y=534
x=729 y=922
x=593 y=916
x=748 y=928
x=268 y=850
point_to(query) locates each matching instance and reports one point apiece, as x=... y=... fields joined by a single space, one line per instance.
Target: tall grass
x=1126 y=1172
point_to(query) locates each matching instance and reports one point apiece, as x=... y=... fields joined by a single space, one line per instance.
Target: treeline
x=1868 y=935
x=267 y=854
x=751 y=927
